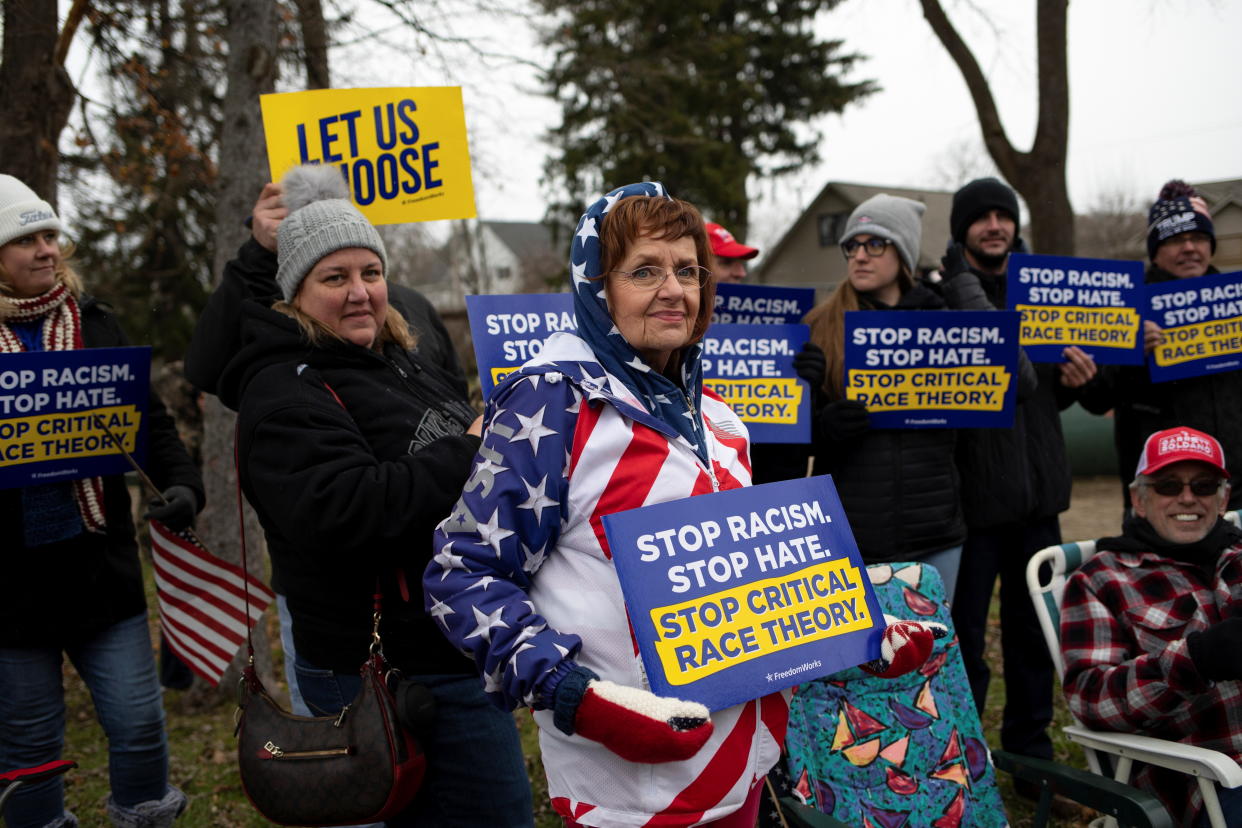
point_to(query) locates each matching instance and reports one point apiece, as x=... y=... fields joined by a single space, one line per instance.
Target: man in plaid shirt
x=1151 y=627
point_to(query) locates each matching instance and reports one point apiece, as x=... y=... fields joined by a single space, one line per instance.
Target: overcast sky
x=1153 y=95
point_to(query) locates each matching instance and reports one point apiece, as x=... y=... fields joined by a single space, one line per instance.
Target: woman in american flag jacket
x=612 y=418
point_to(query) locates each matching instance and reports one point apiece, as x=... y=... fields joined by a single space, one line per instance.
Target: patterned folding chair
x=896 y=752
x=1210 y=767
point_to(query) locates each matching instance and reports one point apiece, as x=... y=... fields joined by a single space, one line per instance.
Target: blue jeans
x=118 y=667
x=296 y=704
x=947 y=562
x=475 y=771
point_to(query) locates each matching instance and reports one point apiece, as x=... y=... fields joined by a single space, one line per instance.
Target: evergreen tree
x=702 y=95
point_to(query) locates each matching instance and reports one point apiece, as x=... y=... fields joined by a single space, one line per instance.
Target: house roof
x=1220 y=193
x=526 y=239
x=939 y=203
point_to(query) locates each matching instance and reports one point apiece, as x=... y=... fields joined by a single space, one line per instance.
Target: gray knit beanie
x=321 y=220
x=900 y=220
x=22 y=212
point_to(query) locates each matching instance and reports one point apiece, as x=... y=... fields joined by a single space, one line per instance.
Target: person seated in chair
x=1151 y=627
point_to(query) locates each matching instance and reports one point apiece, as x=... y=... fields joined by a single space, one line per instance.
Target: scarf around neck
x=1138 y=535
x=61 y=331
x=674 y=405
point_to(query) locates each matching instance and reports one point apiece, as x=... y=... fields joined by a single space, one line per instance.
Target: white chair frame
x=1209 y=767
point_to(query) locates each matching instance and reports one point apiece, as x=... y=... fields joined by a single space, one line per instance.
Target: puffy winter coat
x=71 y=590
x=350 y=457
x=899 y=487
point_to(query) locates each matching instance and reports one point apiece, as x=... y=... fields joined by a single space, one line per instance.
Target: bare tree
x=251 y=72
x=1039 y=173
x=1113 y=227
x=36 y=94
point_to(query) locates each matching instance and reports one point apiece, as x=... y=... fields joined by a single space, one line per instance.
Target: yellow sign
x=968 y=388
x=714 y=632
x=66 y=435
x=1204 y=339
x=1069 y=325
x=403 y=150
x=773 y=401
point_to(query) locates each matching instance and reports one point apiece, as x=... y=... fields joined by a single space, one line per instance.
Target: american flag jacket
x=1124 y=621
x=523 y=579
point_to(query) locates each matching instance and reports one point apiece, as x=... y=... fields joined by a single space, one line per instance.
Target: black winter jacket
x=899 y=487
x=1019 y=474
x=349 y=490
x=58 y=594
x=1212 y=404
x=252 y=275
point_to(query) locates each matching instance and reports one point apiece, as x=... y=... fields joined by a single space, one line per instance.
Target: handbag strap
x=377 y=645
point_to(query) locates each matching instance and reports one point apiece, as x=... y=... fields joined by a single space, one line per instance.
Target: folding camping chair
x=10 y=781
x=1210 y=767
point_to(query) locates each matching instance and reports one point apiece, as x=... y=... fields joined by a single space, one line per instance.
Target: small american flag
x=202 y=602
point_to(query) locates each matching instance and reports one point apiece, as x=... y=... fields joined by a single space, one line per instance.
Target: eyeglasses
x=874 y=245
x=1172 y=487
x=650 y=277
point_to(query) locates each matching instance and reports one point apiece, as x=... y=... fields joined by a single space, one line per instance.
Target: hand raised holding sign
x=269 y=212
x=1079 y=369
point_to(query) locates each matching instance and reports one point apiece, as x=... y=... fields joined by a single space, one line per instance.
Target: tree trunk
x=252 y=32
x=314 y=43
x=1039 y=175
x=35 y=96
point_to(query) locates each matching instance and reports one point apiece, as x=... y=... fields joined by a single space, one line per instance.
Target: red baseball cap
x=1173 y=445
x=724 y=245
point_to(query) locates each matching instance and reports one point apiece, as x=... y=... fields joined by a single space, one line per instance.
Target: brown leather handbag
x=359 y=766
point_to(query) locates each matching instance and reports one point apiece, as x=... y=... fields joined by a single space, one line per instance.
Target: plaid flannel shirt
x=1124 y=621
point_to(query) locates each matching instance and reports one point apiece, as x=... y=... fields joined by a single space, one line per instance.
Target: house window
x=503 y=274
x=831 y=226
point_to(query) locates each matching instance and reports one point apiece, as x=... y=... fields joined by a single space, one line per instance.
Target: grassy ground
x=203 y=747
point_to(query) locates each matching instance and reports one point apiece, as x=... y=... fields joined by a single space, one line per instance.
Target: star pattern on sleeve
x=537 y=498
x=446 y=559
x=491 y=533
x=532 y=430
x=486 y=622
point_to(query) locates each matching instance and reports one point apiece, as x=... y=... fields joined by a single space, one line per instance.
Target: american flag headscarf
x=676 y=406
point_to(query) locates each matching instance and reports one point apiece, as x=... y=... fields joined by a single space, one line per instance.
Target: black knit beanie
x=975 y=199
x=1173 y=214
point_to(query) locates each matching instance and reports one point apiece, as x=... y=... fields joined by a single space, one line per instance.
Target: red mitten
x=640 y=726
x=904 y=647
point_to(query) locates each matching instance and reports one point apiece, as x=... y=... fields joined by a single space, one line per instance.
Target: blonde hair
x=827 y=323
x=395 y=329
x=65 y=275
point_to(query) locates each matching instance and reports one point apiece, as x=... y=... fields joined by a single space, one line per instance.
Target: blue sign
x=58 y=407
x=1201 y=318
x=738 y=303
x=750 y=367
x=1095 y=304
x=509 y=329
x=933 y=369
x=740 y=593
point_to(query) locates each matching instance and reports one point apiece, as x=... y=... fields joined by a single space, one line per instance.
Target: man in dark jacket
x=1180 y=244
x=1014 y=481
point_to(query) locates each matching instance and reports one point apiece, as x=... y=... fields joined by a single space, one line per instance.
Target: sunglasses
x=1172 y=487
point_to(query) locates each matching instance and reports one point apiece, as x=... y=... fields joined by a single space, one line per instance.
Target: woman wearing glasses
x=899 y=486
x=611 y=418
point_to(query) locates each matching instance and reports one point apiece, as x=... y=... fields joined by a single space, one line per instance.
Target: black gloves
x=1215 y=650
x=844 y=420
x=954 y=261
x=178 y=513
x=809 y=363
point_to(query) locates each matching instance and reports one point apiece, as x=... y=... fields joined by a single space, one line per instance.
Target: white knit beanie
x=900 y=220
x=321 y=220
x=22 y=212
